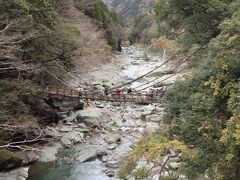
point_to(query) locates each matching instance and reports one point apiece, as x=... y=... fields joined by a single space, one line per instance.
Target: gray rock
x=51 y=132
x=30 y=158
x=48 y=153
x=174 y=160
x=76 y=137
x=105 y=159
x=82 y=125
x=150 y=108
x=91 y=152
x=17 y=174
x=112 y=146
x=156 y=118
x=110 y=173
x=100 y=106
x=174 y=165
x=97 y=103
x=87 y=155
x=101 y=151
x=151 y=128
x=66 y=142
x=65 y=129
x=145 y=114
x=173 y=154
x=84 y=130
x=118 y=121
x=112 y=138
x=112 y=164
x=116 y=104
x=90 y=117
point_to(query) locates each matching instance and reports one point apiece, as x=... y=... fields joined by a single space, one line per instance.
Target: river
x=121 y=125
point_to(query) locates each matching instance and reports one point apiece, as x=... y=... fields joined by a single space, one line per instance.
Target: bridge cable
x=68 y=72
x=163 y=79
x=49 y=72
x=140 y=77
x=182 y=62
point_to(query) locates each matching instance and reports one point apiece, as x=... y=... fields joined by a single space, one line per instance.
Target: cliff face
x=131 y=7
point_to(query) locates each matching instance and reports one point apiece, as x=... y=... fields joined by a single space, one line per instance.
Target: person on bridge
x=151 y=93
x=129 y=91
x=161 y=91
x=118 y=92
x=80 y=91
x=106 y=91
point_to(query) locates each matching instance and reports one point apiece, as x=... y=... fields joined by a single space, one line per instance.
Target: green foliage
x=39 y=33
x=198 y=20
x=203 y=111
x=132 y=8
x=153 y=149
x=12 y=92
x=32 y=32
x=141 y=174
x=127 y=168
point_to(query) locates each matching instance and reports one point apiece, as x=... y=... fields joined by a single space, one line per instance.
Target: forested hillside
x=131 y=7
x=138 y=17
x=203 y=111
x=41 y=42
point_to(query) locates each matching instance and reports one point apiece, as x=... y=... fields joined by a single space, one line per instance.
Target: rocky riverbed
x=92 y=144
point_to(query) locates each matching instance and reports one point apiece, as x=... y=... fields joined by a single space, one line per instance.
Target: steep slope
x=131 y=7
x=140 y=24
x=94 y=48
x=41 y=44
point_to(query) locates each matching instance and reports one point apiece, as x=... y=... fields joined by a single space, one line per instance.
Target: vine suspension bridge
x=137 y=95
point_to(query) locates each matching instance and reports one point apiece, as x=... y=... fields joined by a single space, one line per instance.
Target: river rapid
x=110 y=130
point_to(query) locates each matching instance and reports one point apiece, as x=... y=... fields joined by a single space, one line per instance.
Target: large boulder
x=90 y=117
x=112 y=164
x=66 y=142
x=16 y=174
x=48 y=153
x=87 y=155
x=90 y=153
x=29 y=158
x=9 y=160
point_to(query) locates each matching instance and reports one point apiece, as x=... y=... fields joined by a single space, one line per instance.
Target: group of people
x=155 y=92
x=152 y=93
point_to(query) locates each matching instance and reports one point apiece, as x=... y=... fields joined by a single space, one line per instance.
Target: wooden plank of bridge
x=137 y=98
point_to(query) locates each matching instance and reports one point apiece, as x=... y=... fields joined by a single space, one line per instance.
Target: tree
x=198 y=20
x=203 y=111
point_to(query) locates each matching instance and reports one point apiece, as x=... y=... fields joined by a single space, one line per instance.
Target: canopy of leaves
x=34 y=41
x=203 y=111
x=198 y=19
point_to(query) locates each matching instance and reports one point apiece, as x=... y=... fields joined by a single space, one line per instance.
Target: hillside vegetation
x=203 y=111
x=131 y=7
x=41 y=42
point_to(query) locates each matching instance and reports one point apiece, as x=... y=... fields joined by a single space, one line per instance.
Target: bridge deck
x=100 y=96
